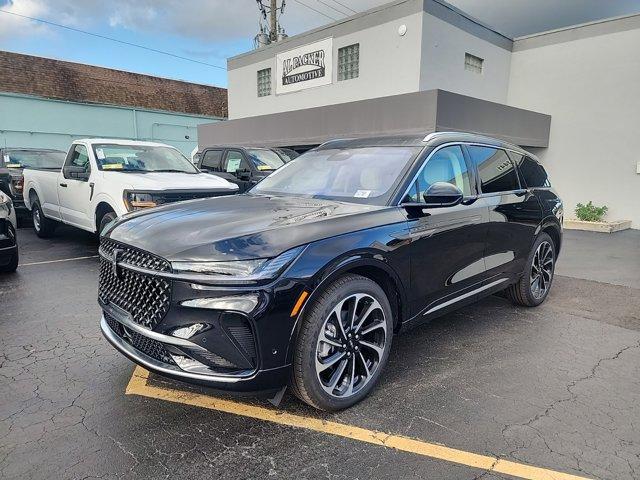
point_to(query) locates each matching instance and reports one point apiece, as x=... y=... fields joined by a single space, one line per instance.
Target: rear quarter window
x=533 y=174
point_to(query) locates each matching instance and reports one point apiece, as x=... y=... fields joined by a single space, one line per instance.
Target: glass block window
x=473 y=63
x=264 y=82
x=349 y=62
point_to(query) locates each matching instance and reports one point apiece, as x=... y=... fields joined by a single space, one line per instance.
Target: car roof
x=239 y=147
x=31 y=149
x=429 y=140
x=120 y=141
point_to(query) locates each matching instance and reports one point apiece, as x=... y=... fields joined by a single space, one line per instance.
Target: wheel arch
x=365 y=265
x=102 y=207
x=553 y=229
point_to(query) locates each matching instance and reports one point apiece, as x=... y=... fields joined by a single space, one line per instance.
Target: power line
x=331 y=7
x=104 y=37
x=345 y=6
x=317 y=11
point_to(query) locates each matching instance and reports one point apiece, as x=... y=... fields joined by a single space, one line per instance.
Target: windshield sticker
x=112 y=166
x=362 y=194
x=100 y=153
x=6 y=158
x=264 y=167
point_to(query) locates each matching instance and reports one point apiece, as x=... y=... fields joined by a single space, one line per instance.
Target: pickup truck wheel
x=104 y=221
x=43 y=226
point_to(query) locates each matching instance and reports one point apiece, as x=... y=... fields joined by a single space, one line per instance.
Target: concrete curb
x=604 y=227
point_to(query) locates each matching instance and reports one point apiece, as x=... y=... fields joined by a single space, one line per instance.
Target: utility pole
x=270 y=31
x=273 y=28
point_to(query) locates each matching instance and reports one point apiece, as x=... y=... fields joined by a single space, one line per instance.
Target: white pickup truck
x=102 y=179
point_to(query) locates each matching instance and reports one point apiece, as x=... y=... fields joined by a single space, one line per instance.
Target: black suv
x=14 y=160
x=244 y=166
x=304 y=280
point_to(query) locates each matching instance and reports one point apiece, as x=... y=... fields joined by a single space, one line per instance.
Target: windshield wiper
x=170 y=170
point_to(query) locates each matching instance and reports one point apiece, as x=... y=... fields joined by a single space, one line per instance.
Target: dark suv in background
x=243 y=166
x=304 y=280
x=14 y=160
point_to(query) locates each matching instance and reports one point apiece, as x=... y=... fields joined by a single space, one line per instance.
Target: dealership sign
x=304 y=67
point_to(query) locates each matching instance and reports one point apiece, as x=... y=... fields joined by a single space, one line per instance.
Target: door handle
x=63 y=185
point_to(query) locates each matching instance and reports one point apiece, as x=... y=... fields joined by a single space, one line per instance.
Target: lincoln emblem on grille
x=114 y=263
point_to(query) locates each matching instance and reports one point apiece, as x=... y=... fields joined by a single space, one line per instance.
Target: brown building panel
x=77 y=82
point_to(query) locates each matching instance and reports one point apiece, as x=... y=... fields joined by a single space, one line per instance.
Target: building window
x=473 y=63
x=349 y=62
x=264 y=82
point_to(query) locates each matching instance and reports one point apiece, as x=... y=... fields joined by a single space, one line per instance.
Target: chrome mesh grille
x=145 y=297
x=148 y=346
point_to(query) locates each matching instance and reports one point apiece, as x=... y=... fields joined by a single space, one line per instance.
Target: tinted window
x=533 y=174
x=445 y=165
x=35 y=159
x=497 y=172
x=211 y=160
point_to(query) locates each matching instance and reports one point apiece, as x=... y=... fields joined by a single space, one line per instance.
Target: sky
x=210 y=31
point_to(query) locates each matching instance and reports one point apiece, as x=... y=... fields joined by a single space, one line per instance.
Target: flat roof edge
x=580 y=31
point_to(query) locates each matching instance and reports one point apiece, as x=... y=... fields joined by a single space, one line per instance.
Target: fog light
x=187 y=332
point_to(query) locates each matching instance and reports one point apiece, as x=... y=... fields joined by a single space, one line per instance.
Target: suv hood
x=242 y=227
x=172 y=181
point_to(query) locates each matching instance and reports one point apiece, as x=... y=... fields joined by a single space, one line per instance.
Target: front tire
x=534 y=285
x=43 y=226
x=105 y=220
x=343 y=344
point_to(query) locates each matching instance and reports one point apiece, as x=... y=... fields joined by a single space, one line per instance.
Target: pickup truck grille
x=145 y=297
x=170 y=197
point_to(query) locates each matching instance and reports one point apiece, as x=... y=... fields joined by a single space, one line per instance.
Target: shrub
x=590 y=213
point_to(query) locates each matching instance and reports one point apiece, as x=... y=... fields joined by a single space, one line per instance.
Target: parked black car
x=14 y=160
x=244 y=166
x=8 y=238
x=304 y=280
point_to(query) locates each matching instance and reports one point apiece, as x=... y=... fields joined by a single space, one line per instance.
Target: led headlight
x=240 y=271
x=137 y=200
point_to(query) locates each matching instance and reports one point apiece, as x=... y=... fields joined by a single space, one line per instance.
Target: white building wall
x=591 y=89
x=389 y=65
x=442 y=63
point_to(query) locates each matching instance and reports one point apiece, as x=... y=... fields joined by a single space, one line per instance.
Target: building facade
x=585 y=77
x=49 y=103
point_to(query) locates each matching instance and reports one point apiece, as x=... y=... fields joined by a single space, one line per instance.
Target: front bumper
x=256 y=381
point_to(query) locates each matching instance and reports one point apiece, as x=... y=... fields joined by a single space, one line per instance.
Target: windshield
x=34 y=159
x=359 y=175
x=141 y=158
x=265 y=159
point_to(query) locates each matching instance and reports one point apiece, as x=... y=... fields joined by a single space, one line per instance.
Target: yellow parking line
x=138 y=386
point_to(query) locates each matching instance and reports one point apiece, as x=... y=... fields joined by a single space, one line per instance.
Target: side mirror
x=76 y=173
x=442 y=194
x=244 y=174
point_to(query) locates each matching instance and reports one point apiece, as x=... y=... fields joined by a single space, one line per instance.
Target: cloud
x=223 y=22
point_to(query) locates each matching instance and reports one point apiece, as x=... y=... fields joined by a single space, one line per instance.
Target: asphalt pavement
x=556 y=387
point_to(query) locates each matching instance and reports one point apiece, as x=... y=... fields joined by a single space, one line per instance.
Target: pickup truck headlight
x=135 y=200
x=240 y=271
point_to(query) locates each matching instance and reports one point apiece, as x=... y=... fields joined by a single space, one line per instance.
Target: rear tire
x=334 y=367
x=12 y=266
x=43 y=226
x=534 y=285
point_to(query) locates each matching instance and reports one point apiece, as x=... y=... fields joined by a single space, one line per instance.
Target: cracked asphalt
x=557 y=387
